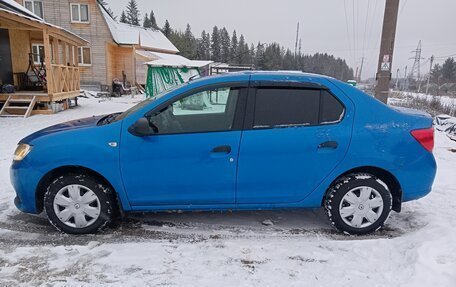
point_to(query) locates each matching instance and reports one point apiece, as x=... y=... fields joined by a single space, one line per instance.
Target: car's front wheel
x=358 y=204
x=78 y=204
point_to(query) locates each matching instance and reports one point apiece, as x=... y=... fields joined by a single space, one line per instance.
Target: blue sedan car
x=240 y=141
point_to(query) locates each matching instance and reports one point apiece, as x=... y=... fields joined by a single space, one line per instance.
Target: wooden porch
x=58 y=72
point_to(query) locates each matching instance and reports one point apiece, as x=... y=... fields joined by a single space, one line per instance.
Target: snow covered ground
x=416 y=248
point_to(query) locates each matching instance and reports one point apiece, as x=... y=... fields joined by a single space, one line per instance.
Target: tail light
x=425 y=137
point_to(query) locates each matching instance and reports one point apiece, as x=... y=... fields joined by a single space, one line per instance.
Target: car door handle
x=221 y=149
x=328 y=144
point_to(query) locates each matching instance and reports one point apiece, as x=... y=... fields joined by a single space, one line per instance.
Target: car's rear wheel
x=358 y=204
x=78 y=204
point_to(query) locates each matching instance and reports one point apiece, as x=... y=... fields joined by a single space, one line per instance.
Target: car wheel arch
x=385 y=176
x=62 y=170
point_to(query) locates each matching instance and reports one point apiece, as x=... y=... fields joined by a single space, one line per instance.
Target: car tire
x=77 y=203
x=358 y=204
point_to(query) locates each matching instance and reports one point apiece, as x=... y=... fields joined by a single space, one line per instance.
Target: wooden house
x=38 y=59
x=111 y=53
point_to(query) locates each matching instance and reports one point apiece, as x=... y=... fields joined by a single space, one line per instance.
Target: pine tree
x=167 y=29
x=449 y=70
x=241 y=51
x=132 y=13
x=189 y=44
x=215 y=46
x=204 y=46
x=234 y=46
x=153 y=21
x=146 y=22
x=225 y=44
x=123 y=18
x=259 y=57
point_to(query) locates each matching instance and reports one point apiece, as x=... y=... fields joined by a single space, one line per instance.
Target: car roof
x=272 y=74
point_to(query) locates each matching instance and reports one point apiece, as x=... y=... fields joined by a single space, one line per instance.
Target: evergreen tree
x=146 y=22
x=132 y=13
x=234 y=46
x=153 y=21
x=242 y=51
x=123 y=18
x=189 y=46
x=225 y=44
x=204 y=46
x=167 y=29
x=259 y=57
x=449 y=70
x=215 y=45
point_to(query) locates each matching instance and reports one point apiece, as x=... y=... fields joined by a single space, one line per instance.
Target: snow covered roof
x=19 y=8
x=170 y=60
x=125 y=34
x=12 y=7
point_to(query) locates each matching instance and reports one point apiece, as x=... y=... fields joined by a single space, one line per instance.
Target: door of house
x=6 y=71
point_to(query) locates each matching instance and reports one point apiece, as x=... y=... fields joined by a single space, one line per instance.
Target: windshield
x=144 y=103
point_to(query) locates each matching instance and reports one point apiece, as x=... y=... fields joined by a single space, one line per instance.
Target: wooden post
x=385 y=60
x=64 y=53
x=55 y=51
x=47 y=61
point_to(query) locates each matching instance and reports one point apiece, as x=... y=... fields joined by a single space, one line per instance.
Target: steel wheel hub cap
x=77 y=206
x=361 y=207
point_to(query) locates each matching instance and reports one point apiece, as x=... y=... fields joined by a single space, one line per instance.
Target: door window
x=284 y=107
x=206 y=111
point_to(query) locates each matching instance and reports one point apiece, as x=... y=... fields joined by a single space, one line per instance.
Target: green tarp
x=160 y=79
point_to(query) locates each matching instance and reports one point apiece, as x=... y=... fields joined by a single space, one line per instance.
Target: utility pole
x=361 y=69
x=405 y=79
x=385 y=58
x=429 y=76
x=297 y=38
x=397 y=78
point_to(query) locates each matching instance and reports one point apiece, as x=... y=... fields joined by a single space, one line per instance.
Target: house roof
x=125 y=34
x=13 y=8
x=170 y=60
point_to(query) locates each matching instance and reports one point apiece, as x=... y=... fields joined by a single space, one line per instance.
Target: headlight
x=21 y=151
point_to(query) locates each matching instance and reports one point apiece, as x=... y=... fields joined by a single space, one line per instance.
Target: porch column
x=47 y=61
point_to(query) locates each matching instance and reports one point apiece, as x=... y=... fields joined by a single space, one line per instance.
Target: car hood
x=71 y=125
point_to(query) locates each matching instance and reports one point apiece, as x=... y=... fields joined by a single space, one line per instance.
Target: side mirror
x=142 y=128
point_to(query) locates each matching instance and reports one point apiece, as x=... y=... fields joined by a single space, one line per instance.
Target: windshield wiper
x=108 y=119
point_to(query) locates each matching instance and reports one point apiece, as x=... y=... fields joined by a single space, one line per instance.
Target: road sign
x=386 y=66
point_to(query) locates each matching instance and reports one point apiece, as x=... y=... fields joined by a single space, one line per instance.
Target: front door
x=191 y=159
x=6 y=70
x=295 y=138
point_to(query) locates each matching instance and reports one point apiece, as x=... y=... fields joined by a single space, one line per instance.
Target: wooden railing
x=64 y=79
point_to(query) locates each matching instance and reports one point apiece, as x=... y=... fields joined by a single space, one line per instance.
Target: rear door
x=294 y=136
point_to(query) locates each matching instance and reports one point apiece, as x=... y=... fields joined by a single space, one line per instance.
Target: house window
x=84 y=56
x=38 y=53
x=34 y=6
x=79 y=13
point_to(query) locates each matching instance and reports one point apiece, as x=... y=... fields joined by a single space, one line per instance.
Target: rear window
x=331 y=109
x=282 y=107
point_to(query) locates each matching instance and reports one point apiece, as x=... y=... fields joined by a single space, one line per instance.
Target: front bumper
x=25 y=179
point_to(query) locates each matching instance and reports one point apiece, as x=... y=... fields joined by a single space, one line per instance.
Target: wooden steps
x=18 y=106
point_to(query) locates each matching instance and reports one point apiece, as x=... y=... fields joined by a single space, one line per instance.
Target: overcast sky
x=324 y=25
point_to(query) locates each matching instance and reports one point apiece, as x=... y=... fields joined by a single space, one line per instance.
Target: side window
x=206 y=111
x=279 y=107
x=332 y=110
x=282 y=107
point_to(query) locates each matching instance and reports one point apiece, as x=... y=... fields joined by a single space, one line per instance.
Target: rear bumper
x=25 y=180
x=417 y=178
